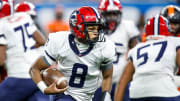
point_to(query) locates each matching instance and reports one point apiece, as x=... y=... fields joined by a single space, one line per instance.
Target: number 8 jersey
x=16 y=32
x=81 y=68
x=155 y=65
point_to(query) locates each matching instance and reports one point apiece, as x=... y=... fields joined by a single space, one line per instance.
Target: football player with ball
x=82 y=55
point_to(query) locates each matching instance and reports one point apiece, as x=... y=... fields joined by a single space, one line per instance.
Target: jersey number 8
x=77 y=79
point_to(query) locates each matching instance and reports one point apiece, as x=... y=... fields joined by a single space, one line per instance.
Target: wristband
x=42 y=86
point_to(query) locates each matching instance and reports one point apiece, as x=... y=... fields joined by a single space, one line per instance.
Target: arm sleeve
x=108 y=56
x=50 y=52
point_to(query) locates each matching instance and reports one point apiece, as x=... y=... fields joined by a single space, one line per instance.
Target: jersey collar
x=75 y=49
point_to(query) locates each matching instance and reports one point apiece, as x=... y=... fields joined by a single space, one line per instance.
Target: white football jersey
x=16 y=32
x=155 y=66
x=82 y=70
x=123 y=33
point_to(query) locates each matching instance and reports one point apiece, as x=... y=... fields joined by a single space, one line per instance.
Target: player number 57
x=145 y=54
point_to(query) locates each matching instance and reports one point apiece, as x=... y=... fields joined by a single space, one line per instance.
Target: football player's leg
x=97 y=94
x=63 y=97
x=5 y=90
x=38 y=96
x=14 y=89
x=51 y=97
x=113 y=91
x=126 y=94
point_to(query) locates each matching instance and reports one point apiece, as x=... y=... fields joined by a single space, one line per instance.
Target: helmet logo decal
x=90 y=17
x=73 y=19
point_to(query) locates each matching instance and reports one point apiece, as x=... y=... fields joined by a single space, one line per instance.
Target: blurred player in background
x=5 y=11
x=29 y=8
x=5 y=8
x=172 y=13
x=152 y=65
x=124 y=35
x=58 y=24
x=19 y=39
x=11 y=3
x=82 y=54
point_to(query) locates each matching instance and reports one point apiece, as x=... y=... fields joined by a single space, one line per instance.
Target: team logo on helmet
x=73 y=18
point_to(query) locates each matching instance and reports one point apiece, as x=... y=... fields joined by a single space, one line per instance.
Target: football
x=50 y=75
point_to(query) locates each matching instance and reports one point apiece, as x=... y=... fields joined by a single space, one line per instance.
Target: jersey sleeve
x=3 y=40
x=109 y=56
x=50 y=50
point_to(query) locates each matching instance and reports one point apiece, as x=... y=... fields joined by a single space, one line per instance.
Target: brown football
x=50 y=75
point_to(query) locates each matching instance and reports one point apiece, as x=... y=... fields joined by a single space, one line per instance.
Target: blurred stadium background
x=136 y=10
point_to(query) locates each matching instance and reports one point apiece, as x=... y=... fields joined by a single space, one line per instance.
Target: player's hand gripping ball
x=51 y=75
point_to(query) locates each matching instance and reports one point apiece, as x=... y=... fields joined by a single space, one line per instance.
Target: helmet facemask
x=99 y=31
x=175 y=23
x=172 y=13
x=87 y=39
x=80 y=21
x=112 y=19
